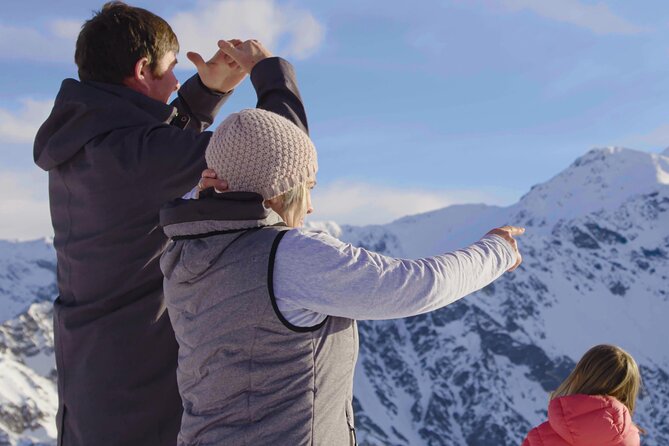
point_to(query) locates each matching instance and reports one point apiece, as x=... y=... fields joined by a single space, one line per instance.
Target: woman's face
x=294 y=214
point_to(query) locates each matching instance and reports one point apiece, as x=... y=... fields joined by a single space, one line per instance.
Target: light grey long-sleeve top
x=338 y=279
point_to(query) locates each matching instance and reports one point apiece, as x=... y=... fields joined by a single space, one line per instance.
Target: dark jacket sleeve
x=276 y=86
x=198 y=103
x=179 y=154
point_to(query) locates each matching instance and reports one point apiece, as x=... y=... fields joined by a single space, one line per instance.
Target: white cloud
x=288 y=30
x=66 y=29
x=24 y=205
x=285 y=29
x=360 y=203
x=20 y=126
x=597 y=18
x=25 y=209
x=53 y=43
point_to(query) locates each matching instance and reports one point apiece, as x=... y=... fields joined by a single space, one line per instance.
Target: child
x=593 y=406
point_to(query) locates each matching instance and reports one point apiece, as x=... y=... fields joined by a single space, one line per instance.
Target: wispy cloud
x=597 y=17
x=25 y=210
x=53 y=43
x=657 y=138
x=20 y=126
x=360 y=203
x=283 y=28
x=24 y=205
x=66 y=29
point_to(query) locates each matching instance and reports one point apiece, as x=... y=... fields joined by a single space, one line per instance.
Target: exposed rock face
x=28 y=396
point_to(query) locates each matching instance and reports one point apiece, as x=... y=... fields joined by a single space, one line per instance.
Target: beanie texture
x=259 y=151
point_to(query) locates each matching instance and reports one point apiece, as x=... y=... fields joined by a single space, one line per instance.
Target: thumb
x=197 y=60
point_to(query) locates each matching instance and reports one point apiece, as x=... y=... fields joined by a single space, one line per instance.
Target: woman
x=593 y=406
x=265 y=314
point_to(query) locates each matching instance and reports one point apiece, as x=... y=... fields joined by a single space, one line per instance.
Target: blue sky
x=412 y=106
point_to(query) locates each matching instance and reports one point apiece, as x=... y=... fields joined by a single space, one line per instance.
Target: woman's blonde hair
x=296 y=197
x=604 y=370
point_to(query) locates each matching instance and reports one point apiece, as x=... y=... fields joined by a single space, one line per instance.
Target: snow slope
x=27 y=272
x=28 y=395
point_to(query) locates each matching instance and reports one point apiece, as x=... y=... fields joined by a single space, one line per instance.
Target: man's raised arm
x=273 y=79
x=276 y=88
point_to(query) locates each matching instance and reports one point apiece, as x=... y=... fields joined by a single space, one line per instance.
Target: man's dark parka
x=114 y=156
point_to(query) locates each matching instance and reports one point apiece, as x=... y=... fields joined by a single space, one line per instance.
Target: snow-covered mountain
x=27 y=275
x=596 y=267
x=478 y=372
x=28 y=396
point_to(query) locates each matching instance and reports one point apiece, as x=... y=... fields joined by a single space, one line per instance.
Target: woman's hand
x=508 y=233
x=209 y=179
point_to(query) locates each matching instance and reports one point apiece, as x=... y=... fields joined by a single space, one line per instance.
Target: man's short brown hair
x=116 y=37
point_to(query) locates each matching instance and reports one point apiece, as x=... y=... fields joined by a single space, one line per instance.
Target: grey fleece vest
x=245 y=374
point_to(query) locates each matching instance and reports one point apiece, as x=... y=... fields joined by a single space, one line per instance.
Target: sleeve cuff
x=192 y=194
x=504 y=247
x=269 y=70
x=209 y=90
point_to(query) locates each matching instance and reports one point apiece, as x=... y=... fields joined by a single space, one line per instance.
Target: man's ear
x=142 y=68
x=138 y=79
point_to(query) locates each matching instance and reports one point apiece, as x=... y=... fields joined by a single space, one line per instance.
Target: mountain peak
x=603 y=177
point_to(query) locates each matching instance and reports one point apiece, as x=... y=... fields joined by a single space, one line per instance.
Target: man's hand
x=221 y=73
x=247 y=54
x=209 y=179
x=508 y=233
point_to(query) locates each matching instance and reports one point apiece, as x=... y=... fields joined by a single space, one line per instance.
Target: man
x=115 y=152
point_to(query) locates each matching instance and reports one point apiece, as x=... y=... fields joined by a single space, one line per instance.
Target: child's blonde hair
x=604 y=370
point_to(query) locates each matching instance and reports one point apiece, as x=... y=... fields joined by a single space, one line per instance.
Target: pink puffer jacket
x=585 y=420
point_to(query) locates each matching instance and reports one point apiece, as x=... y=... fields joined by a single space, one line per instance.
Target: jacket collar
x=214 y=212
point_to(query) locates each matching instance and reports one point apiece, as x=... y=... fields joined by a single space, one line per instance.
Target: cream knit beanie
x=259 y=151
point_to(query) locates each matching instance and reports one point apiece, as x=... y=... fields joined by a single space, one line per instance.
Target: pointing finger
x=514 y=230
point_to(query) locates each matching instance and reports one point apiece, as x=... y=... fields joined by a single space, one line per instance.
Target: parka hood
x=587 y=420
x=85 y=110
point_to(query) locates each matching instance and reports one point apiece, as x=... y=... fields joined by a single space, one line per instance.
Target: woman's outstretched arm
x=316 y=275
